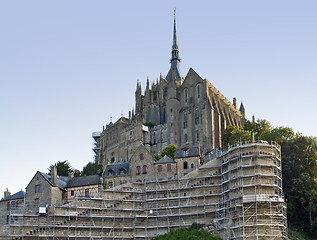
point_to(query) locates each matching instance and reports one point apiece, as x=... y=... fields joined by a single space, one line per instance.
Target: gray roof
x=61 y=180
x=117 y=167
x=192 y=151
x=84 y=181
x=17 y=195
x=165 y=159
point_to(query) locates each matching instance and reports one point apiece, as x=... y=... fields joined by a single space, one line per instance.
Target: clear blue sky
x=66 y=67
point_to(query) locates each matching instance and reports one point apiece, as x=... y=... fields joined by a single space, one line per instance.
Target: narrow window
x=192 y=165
x=197 y=116
x=198 y=91
x=185 y=165
x=186 y=95
x=37 y=188
x=169 y=167
x=138 y=170
x=141 y=156
x=186 y=138
x=86 y=192
x=144 y=169
x=185 y=120
x=159 y=168
x=112 y=157
x=197 y=136
x=72 y=193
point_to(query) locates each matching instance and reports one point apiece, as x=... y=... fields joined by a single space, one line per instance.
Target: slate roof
x=84 y=181
x=116 y=168
x=61 y=180
x=18 y=195
x=192 y=151
x=165 y=159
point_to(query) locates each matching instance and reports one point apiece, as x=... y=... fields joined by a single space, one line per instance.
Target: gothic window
x=197 y=116
x=185 y=165
x=169 y=167
x=186 y=138
x=159 y=168
x=144 y=169
x=185 y=120
x=138 y=170
x=186 y=95
x=197 y=136
x=141 y=156
x=112 y=157
x=198 y=91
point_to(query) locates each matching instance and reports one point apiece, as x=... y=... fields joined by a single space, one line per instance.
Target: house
x=86 y=186
x=45 y=191
x=11 y=207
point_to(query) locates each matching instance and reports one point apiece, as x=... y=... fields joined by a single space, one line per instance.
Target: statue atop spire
x=175 y=56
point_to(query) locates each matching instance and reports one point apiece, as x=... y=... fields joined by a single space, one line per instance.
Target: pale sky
x=66 y=67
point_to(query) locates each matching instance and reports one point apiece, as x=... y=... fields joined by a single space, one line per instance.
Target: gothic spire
x=175 y=56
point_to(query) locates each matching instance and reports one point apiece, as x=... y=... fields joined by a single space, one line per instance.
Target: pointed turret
x=175 y=57
x=242 y=110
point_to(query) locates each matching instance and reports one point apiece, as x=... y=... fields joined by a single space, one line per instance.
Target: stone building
x=177 y=110
x=45 y=191
x=11 y=207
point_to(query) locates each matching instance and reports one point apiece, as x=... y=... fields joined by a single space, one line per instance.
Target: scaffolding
x=241 y=196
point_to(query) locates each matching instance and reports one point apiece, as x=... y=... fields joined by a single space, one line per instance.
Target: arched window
x=144 y=169
x=138 y=170
x=186 y=95
x=198 y=91
x=185 y=120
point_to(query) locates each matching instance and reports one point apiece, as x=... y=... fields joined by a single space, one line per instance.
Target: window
x=185 y=150
x=138 y=170
x=72 y=192
x=110 y=172
x=186 y=95
x=36 y=202
x=37 y=188
x=110 y=184
x=144 y=169
x=198 y=91
x=197 y=136
x=112 y=157
x=185 y=165
x=192 y=165
x=159 y=168
x=86 y=192
x=184 y=194
x=141 y=156
x=197 y=116
x=185 y=120
x=154 y=138
x=122 y=171
x=169 y=167
x=186 y=138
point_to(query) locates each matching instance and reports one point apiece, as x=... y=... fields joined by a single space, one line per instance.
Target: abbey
x=177 y=110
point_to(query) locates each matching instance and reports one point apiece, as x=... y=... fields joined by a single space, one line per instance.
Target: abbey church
x=174 y=110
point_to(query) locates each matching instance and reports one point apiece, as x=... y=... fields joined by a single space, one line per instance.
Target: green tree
x=195 y=232
x=63 y=168
x=92 y=168
x=235 y=134
x=168 y=151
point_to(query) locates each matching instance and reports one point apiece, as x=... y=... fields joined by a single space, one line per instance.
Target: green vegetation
x=195 y=232
x=150 y=124
x=168 y=151
x=92 y=168
x=299 y=166
x=63 y=168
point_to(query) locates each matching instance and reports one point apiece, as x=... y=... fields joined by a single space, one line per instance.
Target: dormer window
x=110 y=172
x=122 y=171
x=185 y=152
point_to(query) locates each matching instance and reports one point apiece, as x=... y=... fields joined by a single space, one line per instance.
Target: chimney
x=7 y=193
x=54 y=175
